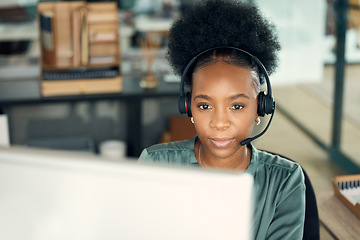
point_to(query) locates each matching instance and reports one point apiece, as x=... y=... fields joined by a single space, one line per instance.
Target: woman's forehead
x=221 y=71
x=222 y=78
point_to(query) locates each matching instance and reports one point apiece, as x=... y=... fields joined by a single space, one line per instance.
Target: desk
x=336 y=218
x=132 y=94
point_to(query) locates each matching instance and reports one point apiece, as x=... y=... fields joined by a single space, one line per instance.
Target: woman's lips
x=221 y=142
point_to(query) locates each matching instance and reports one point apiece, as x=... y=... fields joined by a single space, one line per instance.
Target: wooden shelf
x=77 y=35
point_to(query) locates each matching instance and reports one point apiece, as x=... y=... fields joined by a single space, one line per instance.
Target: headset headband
x=256 y=60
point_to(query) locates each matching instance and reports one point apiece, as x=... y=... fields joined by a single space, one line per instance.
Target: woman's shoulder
x=278 y=167
x=171 y=146
x=176 y=152
x=276 y=161
x=278 y=187
x=280 y=175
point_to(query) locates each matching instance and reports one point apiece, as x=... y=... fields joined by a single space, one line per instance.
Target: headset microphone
x=266 y=103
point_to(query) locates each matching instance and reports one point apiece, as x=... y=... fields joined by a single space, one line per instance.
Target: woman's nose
x=220 y=120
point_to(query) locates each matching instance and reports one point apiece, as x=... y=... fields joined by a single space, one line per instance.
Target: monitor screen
x=48 y=194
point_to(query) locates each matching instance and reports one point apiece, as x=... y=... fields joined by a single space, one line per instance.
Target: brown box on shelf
x=76 y=38
x=351 y=180
x=180 y=128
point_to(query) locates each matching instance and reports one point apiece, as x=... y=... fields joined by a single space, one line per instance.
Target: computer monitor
x=48 y=194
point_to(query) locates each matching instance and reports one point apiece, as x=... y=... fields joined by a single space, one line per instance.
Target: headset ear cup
x=261 y=104
x=188 y=104
x=181 y=104
x=269 y=105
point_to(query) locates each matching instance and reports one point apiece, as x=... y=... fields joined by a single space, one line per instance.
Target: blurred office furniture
x=113 y=149
x=180 y=128
x=336 y=218
x=18 y=31
x=20 y=80
x=354 y=19
x=17 y=11
x=25 y=91
x=126 y=4
x=81 y=144
x=347 y=189
x=152 y=24
x=79 y=48
x=67 y=131
x=14 y=13
x=149 y=47
x=132 y=95
x=4 y=130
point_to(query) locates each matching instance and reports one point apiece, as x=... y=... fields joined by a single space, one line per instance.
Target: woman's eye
x=237 y=107
x=204 y=106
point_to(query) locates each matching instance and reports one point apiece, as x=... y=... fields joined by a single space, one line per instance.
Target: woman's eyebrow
x=233 y=97
x=202 y=96
x=239 y=96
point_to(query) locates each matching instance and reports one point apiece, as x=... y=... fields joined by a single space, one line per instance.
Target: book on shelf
x=76 y=37
x=46 y=19
x=84 y=39
x=102 y=59
x=102 y=16
x=103 y=36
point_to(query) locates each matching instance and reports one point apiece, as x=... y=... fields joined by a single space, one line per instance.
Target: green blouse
x=279 y=189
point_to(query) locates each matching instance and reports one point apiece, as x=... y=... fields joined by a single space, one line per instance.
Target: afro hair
x=215 y=23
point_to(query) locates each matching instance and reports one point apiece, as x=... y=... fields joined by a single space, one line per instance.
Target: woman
x=216 y=46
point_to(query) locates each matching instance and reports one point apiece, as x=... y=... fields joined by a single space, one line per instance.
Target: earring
x=257 y=121
x=192 y=120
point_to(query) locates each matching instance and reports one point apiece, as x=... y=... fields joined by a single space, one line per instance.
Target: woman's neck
x=240 y=160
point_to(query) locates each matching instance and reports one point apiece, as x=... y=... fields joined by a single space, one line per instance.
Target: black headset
x=266 y=103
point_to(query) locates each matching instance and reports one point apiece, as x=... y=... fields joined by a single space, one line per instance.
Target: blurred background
x=317 y=122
